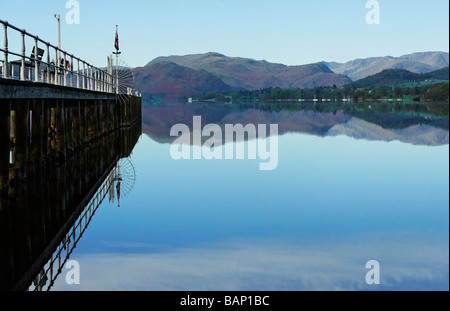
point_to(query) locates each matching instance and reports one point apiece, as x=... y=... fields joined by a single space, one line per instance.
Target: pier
x=51 y=108
x=64 y=126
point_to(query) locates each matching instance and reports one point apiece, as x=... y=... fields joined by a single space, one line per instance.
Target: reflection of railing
x=47 y=277
x=43 y=218
x=64 y=70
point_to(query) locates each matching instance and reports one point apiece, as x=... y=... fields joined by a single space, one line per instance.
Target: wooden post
x=91 y=116
x=122 y=113
x=21 y=128
x=84 y=129
x=5 y=142
x=98 y=123
x=60 y=132
x=116 y=116
x=45 y=127
x=102 y=115
x=110 y=115
x=37 y=136
x=52 y=129
x=68 y=124
x=76 y=134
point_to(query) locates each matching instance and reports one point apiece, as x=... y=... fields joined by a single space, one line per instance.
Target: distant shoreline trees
x=432 y=92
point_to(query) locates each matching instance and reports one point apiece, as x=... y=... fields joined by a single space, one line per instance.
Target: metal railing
x=46 y=279
x=64 y=69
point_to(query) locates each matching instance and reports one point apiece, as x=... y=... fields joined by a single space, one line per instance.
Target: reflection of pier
x=69 y=242
x=46 y=278
x=42 y=220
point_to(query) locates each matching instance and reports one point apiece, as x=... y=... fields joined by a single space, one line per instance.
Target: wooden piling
x=68 y=126
x=60 y=130
x=5 y=139
x=76 y=125
x=36 y=137
x=20 y=127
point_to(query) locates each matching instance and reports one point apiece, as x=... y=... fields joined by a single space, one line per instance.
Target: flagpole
x=117 y=53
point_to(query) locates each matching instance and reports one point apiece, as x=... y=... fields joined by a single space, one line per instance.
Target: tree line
x=436 y=92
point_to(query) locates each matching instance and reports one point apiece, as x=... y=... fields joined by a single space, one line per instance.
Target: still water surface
x=348 y=188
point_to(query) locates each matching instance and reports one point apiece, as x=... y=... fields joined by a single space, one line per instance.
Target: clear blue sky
x=292 y=32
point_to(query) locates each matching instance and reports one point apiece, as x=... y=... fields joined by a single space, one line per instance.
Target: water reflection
x=420 y=124
x=274 y=264
x=43 y=219
x=333 y=203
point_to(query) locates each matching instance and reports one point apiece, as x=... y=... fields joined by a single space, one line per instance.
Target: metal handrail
x=53 y=268
x=86 y=76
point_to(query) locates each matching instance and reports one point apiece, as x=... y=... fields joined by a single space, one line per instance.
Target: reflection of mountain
x=416 y=134
x=157 y=121
x=409 y=128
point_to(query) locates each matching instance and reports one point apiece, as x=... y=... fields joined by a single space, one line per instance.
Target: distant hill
x=171 y=80
x=417 y=62
x=249 y=74
x=398 y=76
x=441 y=74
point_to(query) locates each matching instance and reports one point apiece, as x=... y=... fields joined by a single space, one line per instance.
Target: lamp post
x=58 y=61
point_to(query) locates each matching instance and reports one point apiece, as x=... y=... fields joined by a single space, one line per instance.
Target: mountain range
x=417 y=62
x=245 y=73
x=188 y=75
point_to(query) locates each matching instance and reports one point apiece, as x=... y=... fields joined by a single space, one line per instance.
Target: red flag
x=116 y=42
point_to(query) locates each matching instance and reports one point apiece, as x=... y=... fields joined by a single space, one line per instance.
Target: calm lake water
x=351 y=185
